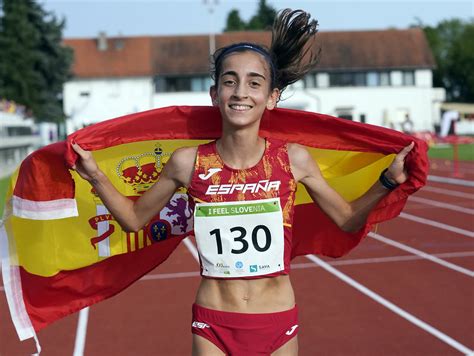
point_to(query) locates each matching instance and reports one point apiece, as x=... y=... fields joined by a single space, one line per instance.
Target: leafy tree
x=452 y=43
x=234 y=22
x=262 y=20
x=34 y=64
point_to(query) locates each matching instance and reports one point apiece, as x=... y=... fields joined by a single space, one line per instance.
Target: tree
x=34 y=64
x=452 y=43
x=262 y=20
x=234 y=22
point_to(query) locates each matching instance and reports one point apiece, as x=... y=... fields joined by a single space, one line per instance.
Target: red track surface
x=152 y=317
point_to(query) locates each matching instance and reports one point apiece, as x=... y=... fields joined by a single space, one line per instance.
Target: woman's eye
x=229 y=82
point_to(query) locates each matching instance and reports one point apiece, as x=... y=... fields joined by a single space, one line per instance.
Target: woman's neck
x=241 y=149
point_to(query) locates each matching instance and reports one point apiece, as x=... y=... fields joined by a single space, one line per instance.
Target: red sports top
x=214 y=181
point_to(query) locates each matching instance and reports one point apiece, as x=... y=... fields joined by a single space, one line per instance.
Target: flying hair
x=293 y=34
x=290 y=55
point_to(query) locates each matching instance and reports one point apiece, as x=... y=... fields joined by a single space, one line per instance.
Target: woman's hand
x=396 y=172
x=86 y=165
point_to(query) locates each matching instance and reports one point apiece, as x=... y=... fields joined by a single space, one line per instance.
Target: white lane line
x=421 y=254
x=191 y=248
x=439 y=204
x=454 y=193
x=455 y=181
x=389 y=305
x=81 y=331
x=361 y=261
x=437 y=224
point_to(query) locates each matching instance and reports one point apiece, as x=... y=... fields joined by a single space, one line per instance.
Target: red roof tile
x=174 y=55
x=133 y=59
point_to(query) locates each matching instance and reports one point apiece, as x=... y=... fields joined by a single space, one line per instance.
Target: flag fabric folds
x=62 y=250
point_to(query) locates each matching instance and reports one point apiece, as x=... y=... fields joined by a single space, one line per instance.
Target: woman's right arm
x=133 y=215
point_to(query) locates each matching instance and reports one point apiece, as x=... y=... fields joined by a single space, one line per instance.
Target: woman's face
x=243 y=89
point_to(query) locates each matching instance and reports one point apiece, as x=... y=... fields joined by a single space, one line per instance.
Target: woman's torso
x=270 y=292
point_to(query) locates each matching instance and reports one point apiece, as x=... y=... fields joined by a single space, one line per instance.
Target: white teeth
x=240 y=107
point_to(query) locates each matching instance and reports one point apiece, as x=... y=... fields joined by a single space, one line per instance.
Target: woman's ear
x=213 y=94
x=273 y=99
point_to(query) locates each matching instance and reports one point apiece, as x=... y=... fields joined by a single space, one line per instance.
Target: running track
x=406 y=290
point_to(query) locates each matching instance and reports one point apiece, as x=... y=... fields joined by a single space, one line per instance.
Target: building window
x=160 y=85
x=174 y=84
x=19 y=131
x=345 y=113
x=376 y=79
x=408 y=78
x=347 y=79
x=372 y=79
x=180 y=84
x=384 y=79
x=310 y=80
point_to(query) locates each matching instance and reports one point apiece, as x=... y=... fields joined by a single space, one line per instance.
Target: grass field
x=3 y=191
x=465 y=152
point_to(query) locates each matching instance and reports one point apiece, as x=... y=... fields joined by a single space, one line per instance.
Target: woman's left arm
x=351 y=216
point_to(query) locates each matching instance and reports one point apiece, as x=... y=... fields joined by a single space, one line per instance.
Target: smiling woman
x=242 y=189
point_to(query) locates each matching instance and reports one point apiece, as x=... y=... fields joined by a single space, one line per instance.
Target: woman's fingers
x=405 y=151
x=78 y=149
x=85 y=165
x=400 y=157
x=397 y=171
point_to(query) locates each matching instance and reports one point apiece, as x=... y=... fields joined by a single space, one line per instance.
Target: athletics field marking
x=389 y=305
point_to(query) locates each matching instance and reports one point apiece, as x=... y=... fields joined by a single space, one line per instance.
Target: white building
x=17 y=140
x=377 y=77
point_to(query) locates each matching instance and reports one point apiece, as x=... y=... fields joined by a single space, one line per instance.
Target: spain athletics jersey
x=243 y=217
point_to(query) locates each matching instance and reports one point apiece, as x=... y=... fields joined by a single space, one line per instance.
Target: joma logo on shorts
x=263 y=185
x=199 y=325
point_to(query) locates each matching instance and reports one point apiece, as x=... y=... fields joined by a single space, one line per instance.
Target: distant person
x=251 y=310
x=447 y=123
x=407 y=125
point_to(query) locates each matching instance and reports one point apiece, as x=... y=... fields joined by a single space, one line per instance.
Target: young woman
x=242 y=187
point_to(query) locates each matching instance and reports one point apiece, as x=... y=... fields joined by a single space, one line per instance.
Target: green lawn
x=3 y=192
x=465 y=152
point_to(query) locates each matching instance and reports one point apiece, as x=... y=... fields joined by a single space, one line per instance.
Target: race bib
x=240 y=238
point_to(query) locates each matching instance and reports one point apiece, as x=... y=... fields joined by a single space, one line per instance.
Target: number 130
x=241 y=233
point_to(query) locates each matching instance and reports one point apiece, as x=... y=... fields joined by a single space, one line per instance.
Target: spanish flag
x=63 y=251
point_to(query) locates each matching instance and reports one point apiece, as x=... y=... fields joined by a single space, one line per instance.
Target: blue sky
x=165 y=17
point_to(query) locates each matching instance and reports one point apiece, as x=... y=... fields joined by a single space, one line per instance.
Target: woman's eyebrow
x=250 y=74
x=254 y=74
x=229 y=72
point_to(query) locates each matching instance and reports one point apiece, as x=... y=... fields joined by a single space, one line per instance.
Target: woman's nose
x=240 y=91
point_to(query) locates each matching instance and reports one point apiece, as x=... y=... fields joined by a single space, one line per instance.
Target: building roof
x=124 y=57
x=173 y=55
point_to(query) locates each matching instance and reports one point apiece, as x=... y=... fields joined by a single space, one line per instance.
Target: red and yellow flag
x=63 y=251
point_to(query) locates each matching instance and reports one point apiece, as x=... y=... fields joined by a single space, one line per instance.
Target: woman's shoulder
x=185 y=155
x=298 y=154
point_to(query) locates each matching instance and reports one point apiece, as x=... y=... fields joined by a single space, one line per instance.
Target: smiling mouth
x=240 y=107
